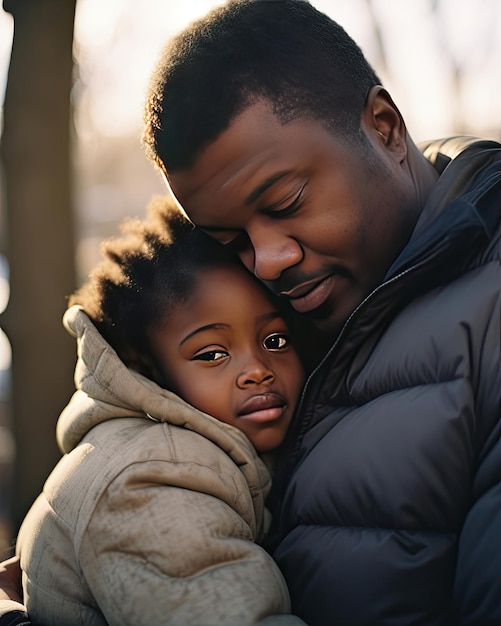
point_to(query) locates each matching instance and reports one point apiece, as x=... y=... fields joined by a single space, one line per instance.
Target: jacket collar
x=459 y=218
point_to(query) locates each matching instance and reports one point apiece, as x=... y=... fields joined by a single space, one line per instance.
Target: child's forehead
x=226 y=302
x=232 y=271
x=231 y=279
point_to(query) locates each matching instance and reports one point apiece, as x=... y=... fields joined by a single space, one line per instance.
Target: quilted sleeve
x=169 y=543
x=478 y=581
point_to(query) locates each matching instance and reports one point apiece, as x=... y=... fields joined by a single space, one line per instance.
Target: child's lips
x=264 y=407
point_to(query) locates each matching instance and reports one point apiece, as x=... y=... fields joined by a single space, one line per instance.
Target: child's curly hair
x=147 y=271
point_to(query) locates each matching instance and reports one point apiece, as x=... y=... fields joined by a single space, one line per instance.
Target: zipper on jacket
x=304 y=427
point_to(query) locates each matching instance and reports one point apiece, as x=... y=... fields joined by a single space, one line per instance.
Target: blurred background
x=73 y=75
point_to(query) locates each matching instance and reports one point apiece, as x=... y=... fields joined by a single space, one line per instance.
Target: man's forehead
x=254 y=154
x=253 y=130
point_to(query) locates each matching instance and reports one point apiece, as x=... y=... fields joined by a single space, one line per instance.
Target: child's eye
x=276 y=342
x=210 y=355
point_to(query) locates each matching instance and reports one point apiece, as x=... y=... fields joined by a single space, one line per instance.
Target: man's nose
x=255 y=372
x=272 y=253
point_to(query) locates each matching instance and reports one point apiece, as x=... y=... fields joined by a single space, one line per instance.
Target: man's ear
x=382 y=119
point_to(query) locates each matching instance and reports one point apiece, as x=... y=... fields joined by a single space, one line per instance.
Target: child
x=152 y=514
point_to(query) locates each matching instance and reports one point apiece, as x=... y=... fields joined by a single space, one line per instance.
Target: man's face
x=317 y=219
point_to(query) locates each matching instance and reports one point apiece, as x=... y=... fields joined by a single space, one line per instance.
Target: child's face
x=227 y=352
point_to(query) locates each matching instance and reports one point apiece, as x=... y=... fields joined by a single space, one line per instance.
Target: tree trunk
x=35 y=150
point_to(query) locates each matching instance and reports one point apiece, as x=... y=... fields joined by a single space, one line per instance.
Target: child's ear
x=142 y=364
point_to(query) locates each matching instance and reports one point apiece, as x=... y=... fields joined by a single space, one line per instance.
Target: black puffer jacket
x=392 y=507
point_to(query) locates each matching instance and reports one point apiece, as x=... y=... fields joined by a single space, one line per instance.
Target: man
x=276 y=137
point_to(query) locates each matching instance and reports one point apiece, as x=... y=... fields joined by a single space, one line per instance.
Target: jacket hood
x=460 y=161
x=458 y=219
x=107 y=389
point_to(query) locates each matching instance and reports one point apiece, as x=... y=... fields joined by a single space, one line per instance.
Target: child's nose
x=255 y=373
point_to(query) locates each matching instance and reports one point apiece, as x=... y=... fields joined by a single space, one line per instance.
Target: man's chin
x=326 y=320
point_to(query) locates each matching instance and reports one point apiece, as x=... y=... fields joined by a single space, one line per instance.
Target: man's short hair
x=285 y=51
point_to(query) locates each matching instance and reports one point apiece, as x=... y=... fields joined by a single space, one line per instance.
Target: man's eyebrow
x=250 y=199
x=201 y=330
x=265 y=185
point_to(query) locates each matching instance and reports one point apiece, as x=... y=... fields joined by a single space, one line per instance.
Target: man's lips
x=264 y=407
x=301 y=290
x=310 y=294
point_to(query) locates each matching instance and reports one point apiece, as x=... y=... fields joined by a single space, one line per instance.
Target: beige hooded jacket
x=152 y=514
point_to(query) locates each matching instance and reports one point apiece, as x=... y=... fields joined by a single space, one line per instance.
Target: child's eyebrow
x=272 y=315
x=202 y=329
